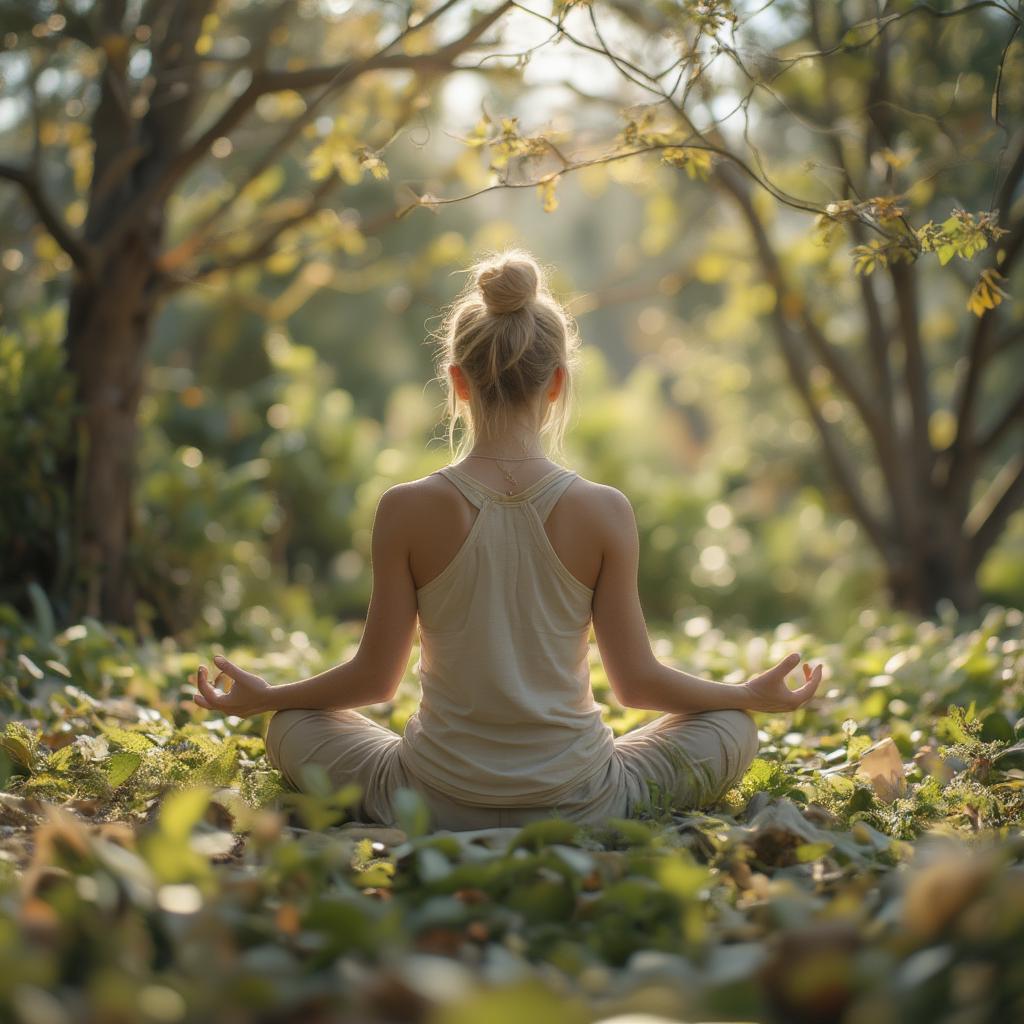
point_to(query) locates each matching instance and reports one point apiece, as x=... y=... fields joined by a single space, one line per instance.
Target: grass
x=154 y=867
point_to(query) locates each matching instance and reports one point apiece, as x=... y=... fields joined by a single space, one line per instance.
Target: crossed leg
x=688 y=761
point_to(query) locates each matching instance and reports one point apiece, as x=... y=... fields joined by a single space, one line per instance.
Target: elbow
x=385 y=696
x=627 y=696
x=390 y=691
x=376 y=679
x=632 y=699
x=633 y=689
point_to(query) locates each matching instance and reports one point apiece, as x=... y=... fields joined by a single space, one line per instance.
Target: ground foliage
x=154 y=867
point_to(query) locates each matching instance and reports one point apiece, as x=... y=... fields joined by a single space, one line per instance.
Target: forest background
x=271 y=363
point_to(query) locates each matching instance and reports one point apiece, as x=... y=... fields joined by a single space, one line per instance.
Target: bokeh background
x=790 y=232
x=220 y=282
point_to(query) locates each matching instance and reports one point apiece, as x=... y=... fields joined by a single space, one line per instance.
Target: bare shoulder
x=414 y=501
x=409 y=494
x=608 y=505
x=434 y=486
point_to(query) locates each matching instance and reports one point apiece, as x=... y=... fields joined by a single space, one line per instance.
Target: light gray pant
x=674 y=761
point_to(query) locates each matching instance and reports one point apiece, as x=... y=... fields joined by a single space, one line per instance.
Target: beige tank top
x=507 y=716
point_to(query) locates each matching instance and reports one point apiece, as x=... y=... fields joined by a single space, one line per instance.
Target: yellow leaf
x=986 y=294
x=348 y=167
x=282 y=262
x=373 y=163
x=546 y=189
x=320 y=163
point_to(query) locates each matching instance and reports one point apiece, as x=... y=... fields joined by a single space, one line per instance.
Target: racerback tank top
x=507 y=716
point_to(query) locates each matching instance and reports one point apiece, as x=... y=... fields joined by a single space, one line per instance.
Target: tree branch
x=839 y=461
x=1012 y=335
x=185 y=249
x=79 y=251
x=989 y=516
x=877 y=337
x=836 y=454
x=264 y=81
x=1013 y=412
x=960 y=455
x=335 y=76
x=174 y=281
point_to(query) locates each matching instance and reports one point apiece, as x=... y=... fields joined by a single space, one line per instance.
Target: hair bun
x=508 y=285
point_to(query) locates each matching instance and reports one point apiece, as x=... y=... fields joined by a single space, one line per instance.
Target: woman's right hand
x=769 y=692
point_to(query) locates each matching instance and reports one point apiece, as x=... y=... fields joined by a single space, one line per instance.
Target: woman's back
x=508 y=725
x=507 y=711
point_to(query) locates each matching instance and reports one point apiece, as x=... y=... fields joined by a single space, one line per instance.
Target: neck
x=512 y=446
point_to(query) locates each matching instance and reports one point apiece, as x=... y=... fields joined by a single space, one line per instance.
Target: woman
x=507 y=558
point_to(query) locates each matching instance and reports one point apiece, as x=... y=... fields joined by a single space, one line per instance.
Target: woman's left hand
x=245 y=693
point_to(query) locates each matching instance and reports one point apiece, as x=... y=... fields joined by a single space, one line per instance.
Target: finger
x=786 y=666
x=198 y=676
x=230 y=667
x=207 y=690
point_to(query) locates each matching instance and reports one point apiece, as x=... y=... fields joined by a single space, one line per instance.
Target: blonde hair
x=508 y=334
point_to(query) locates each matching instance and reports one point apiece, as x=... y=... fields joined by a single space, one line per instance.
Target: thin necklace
x=498 y=459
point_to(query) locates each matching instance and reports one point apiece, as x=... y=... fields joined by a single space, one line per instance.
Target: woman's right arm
x=637 y=678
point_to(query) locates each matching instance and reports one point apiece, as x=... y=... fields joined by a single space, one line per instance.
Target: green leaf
x=761 y=775
x=126 y=738
x=857 y=746
x=1011 y=757
x=996 y=726
x=680 y=874
x=122 y=766
x=632 y=831
x=61 y=758
x=222 y=769
x=544 y=832
x=812 y=851
x=19 y=744
x=432 y=865
x=528 y=1001
x=182 y=809
x=543 y=899
x=411 y=812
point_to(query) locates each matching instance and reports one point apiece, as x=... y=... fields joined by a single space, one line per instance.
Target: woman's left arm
x=375 y=671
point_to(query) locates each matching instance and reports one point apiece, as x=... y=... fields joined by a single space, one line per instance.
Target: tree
x=909 y=115
x=147 y=98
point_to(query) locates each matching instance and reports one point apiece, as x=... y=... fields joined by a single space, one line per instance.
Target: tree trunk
x=941 y=577
x=107 y=334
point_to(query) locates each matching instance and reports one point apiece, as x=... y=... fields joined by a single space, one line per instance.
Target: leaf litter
x=867 y=867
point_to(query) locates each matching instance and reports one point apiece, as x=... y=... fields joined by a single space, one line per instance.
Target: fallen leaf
x=882 y=765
